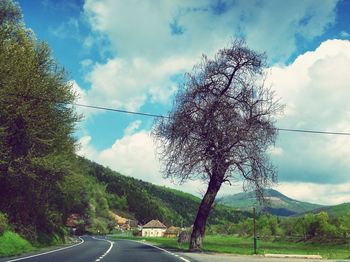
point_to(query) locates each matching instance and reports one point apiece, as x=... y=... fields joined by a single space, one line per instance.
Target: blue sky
x=132 y=54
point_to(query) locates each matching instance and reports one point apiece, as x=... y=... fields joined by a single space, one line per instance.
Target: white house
x=153 y=228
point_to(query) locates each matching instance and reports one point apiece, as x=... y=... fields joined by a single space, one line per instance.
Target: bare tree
x=220 y=127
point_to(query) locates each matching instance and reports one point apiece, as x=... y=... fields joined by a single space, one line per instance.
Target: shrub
x=3 y=223
x=136 y=233
x=13 y=244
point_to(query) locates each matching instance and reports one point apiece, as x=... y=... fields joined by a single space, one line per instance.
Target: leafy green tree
x=75 y=194
x=263 y=226
x=345 y=225
x=3 y=223
x=116 y=202
x=268 y=225
x=36 y=126
x=245 y=228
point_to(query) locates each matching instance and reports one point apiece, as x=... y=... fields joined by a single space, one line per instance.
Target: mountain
x=333 y=211
x=277 y=203
x=146 y=201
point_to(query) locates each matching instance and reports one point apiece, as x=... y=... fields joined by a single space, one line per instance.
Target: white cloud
x=132 y=127
x=143 y=28
x=69 y=29
x=315 y=89
x=327 y=194
x=82 y=99
x=147 y=54
x=315 y=85
x=85 y=149
x=344 y=34
x=127 y=84
x=135 y=155
x=86 y=63
x=275 y=151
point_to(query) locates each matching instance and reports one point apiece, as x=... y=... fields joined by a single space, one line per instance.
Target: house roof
x=118 y=219
x=173 y=229
x=73 y=220
x=155 y=223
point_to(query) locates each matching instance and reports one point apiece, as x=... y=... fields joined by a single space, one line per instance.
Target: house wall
x=153 y=232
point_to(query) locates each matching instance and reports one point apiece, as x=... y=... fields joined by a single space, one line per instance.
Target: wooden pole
x=254 y=229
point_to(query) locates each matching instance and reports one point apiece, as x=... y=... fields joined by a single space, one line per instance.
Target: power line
x=90 y=106
x=120 y=110
x=154 y=115
x=162 y=116
x=313 y=131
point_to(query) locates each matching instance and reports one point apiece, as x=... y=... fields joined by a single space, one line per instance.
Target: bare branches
x=222 y=121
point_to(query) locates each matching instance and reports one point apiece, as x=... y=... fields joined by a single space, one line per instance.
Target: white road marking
x=108 y=250
x=164 y=250
x=52 y=251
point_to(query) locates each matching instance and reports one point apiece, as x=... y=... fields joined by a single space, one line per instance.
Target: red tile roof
x=155 y=223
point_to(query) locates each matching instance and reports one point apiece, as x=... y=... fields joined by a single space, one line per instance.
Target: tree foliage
x=36 y=127
x=320 y=228
x=220 y=127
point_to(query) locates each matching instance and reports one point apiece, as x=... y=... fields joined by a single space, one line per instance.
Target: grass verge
x=12 y=244
x=244 y=246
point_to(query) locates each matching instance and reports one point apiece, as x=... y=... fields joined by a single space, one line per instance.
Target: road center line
x=108 y=250
x=52 y=251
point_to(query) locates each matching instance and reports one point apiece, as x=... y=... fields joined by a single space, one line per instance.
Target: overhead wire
x=162 y=116
x=119 y=110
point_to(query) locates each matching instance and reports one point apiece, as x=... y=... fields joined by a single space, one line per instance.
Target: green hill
x=276 y=204
x=334 y=211
x=146 y=201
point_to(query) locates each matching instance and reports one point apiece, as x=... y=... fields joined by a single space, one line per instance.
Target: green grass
x=12 y=244
x=244 y=246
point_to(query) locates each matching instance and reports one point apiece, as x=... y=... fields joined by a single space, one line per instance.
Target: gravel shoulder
x=209 y=257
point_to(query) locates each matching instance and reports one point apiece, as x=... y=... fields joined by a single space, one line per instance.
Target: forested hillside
x=148 y=201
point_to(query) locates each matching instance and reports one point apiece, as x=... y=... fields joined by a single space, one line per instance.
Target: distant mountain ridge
x=334 y=211
x=277 y=203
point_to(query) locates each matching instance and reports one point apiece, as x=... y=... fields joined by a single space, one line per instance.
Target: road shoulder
x=43 y=251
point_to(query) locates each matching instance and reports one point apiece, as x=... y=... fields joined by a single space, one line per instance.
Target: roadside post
x=254 y=231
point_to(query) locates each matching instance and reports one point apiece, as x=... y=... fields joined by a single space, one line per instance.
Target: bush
x=13 y=244
x=3 y=223
x=98 y=226
x=136 y=233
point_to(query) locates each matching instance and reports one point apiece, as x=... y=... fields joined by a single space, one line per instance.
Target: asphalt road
x=96 y=249
x=100 y=249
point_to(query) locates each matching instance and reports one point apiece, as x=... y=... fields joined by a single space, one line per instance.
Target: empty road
x=98 y=249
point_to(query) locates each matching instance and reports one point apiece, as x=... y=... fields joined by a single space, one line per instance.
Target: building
x=172 y=232
x=153 y=228
x=124 y=223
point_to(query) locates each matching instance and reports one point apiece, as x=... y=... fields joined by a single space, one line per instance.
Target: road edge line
x=48 y=252
x=162 y=249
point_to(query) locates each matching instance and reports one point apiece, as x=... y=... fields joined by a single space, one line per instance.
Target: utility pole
x=254 y=230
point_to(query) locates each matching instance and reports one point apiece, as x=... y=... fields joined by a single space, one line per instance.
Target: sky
x=132 y=55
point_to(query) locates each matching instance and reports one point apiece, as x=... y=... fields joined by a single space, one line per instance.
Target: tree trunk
x=198 y=231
